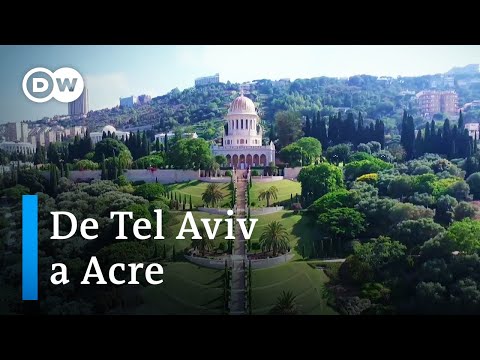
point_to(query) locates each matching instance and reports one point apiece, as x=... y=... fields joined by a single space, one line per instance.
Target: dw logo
x=65 y=85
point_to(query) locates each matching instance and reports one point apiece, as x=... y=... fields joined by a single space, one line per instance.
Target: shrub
x=228 y=173
x=255 y=173
x=363 y=148
x=86 y=165
x=371 y=178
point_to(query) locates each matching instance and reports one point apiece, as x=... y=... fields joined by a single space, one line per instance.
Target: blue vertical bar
x=30 y=247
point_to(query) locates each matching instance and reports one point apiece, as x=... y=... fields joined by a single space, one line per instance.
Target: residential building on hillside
x=16 y=131
x=144 y=99
x=473 y=129
x=128 y=101
x=18 y=147
x=432 y=102
x=206 y=80
x=170 y=135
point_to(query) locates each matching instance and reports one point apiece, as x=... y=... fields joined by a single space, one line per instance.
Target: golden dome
x=242 y=105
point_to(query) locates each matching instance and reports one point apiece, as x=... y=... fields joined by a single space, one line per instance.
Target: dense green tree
x=380 y=253
x=150 y=191
x=474 y=183
x=112 y=148
x=312 y=147
x=288 y=125
x=294 y=155
x=464 y=210
x=466 y=235
x=341 y=224
x=317 y=180
x=445 y=209
x=406 y=211
x=416 y=232
x=358 y=168
x=338 y=153
x=341 y=198
x=156 y=160
x=86 y=165
x=190 y=154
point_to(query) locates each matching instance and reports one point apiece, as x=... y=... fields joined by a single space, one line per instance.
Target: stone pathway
x=238 y=291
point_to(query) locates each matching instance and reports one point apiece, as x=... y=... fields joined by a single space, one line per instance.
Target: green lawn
x=305 y=282
x=196 y=188
x=176 y=223
x=285 y=188
x=301 y=232
x=186 y=289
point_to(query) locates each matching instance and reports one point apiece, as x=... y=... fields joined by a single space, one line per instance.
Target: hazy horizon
x=113 y=71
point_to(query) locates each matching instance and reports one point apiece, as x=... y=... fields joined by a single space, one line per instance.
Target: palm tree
x=274 y=238
x=266 y=194
x=286 y=304
x=212 y=194
x=204 y=244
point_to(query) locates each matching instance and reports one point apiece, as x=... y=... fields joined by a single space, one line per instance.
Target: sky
x=115 y=71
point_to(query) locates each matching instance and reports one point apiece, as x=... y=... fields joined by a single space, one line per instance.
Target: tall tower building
x=17 y=131
x=79 y=107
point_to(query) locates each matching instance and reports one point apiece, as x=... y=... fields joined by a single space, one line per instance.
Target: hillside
x=202 y=109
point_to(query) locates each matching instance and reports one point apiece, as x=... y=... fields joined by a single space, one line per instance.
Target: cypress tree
x=408 y=136
x=427 y=139
x=461 y=124
x=165 y=143
x=67 y=171
x=455 y=141
x=371 y=132
x=360 y=127
x=446 y=138
x=419 y=144
x=475 y=144
x=469 y=166
x=157 y=144
x=438 y=142
x=380 y=132
x=104 y=175
x=308 y=127
x=404 y=130
x=322 y=133
x=314 y=127
x=332 y=130
x=349 y=129
x=340 y=125
x=191 y=206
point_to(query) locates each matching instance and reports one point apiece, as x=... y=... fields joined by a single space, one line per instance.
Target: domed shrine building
x=108 y=130
x=242 y=140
